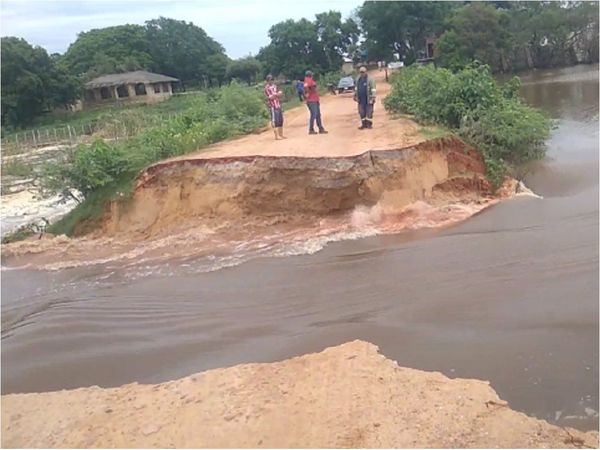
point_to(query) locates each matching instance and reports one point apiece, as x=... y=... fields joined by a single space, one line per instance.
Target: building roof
x=139 y=76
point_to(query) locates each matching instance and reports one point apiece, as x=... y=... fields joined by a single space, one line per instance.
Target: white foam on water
x=200 y=249
x=524 y=191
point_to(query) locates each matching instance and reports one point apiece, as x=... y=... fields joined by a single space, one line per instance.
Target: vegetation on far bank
x=506 y=35
x=122 y=121
x=469 y=102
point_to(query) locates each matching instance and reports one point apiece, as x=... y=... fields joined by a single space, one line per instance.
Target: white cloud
x=240 y=25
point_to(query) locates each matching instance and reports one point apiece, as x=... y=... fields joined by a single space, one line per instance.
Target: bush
x=97 y=170
x=491 y=118
x=85 y=169
x=17 y=169
x=440 y=96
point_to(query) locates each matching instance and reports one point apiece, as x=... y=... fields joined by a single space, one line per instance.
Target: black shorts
x=276 y=117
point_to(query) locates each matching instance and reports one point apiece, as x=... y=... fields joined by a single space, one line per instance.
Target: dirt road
x=340 y=118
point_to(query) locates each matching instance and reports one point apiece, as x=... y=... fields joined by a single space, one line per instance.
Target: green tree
x=335 y=36
x=294 y=48
x=32 y=83
x=297 y=46
x=182 y=50
x=550 y=34
x=401 y=27
x=476 y=31
x=244 y=69
x=217 y=68
x=108 y=50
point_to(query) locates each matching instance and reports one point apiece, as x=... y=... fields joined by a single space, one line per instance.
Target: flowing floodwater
x=510 y=295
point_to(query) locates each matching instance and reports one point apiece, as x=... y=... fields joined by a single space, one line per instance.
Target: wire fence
x=44 y=137
x=71 y=135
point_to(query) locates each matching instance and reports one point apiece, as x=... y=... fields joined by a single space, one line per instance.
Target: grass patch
x=434 y=132
x=17 y=169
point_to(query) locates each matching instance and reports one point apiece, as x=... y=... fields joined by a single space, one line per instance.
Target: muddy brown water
x=510 y=295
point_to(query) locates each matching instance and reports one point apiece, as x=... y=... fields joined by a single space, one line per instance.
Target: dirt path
x=340 y=118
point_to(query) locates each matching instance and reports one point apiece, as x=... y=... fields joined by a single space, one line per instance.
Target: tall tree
x=300 y=45
x=477 y=31
x=182 y=50
x=550 y=33
x=216 y=66
x=294 y=48
x=401 y=27
x=335 y=36
x=108 y=50
x=31 y=82
x=245 y=69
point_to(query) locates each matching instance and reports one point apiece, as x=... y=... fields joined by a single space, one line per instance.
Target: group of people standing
x=307 y=89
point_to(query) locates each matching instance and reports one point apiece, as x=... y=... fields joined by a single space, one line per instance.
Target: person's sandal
x=323 y=131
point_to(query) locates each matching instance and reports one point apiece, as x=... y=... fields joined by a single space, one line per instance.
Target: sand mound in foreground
x=345 y=396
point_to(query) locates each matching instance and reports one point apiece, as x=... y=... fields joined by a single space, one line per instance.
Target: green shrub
x=237 y=103
x=491 y=118
x=101 y=169
x=441 y=96
x=17 y=169
x=510 y=131
x=85 y=169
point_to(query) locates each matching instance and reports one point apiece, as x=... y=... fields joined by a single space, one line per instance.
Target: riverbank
x=345 y=396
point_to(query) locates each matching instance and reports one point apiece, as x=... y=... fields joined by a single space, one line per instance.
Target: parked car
x=395 y=65
x=345 y=84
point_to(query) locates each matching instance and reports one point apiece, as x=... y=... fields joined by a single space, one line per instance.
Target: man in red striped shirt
x=274 y=101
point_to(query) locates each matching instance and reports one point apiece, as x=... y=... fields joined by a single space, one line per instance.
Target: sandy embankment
x=345 y=396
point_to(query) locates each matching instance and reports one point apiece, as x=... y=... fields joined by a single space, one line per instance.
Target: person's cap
x=363 y=69
x=269 y=77
x=308 y=73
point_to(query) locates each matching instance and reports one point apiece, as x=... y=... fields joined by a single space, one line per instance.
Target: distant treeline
x=507 y=36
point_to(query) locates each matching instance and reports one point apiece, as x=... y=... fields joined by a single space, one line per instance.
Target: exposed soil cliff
x=181 y=193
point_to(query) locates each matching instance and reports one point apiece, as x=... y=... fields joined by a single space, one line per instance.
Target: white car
x=395 y=65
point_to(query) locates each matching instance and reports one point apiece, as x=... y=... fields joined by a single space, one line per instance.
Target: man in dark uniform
x=364 y=95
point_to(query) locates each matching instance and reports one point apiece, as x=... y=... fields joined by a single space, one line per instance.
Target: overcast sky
x=240 y=25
